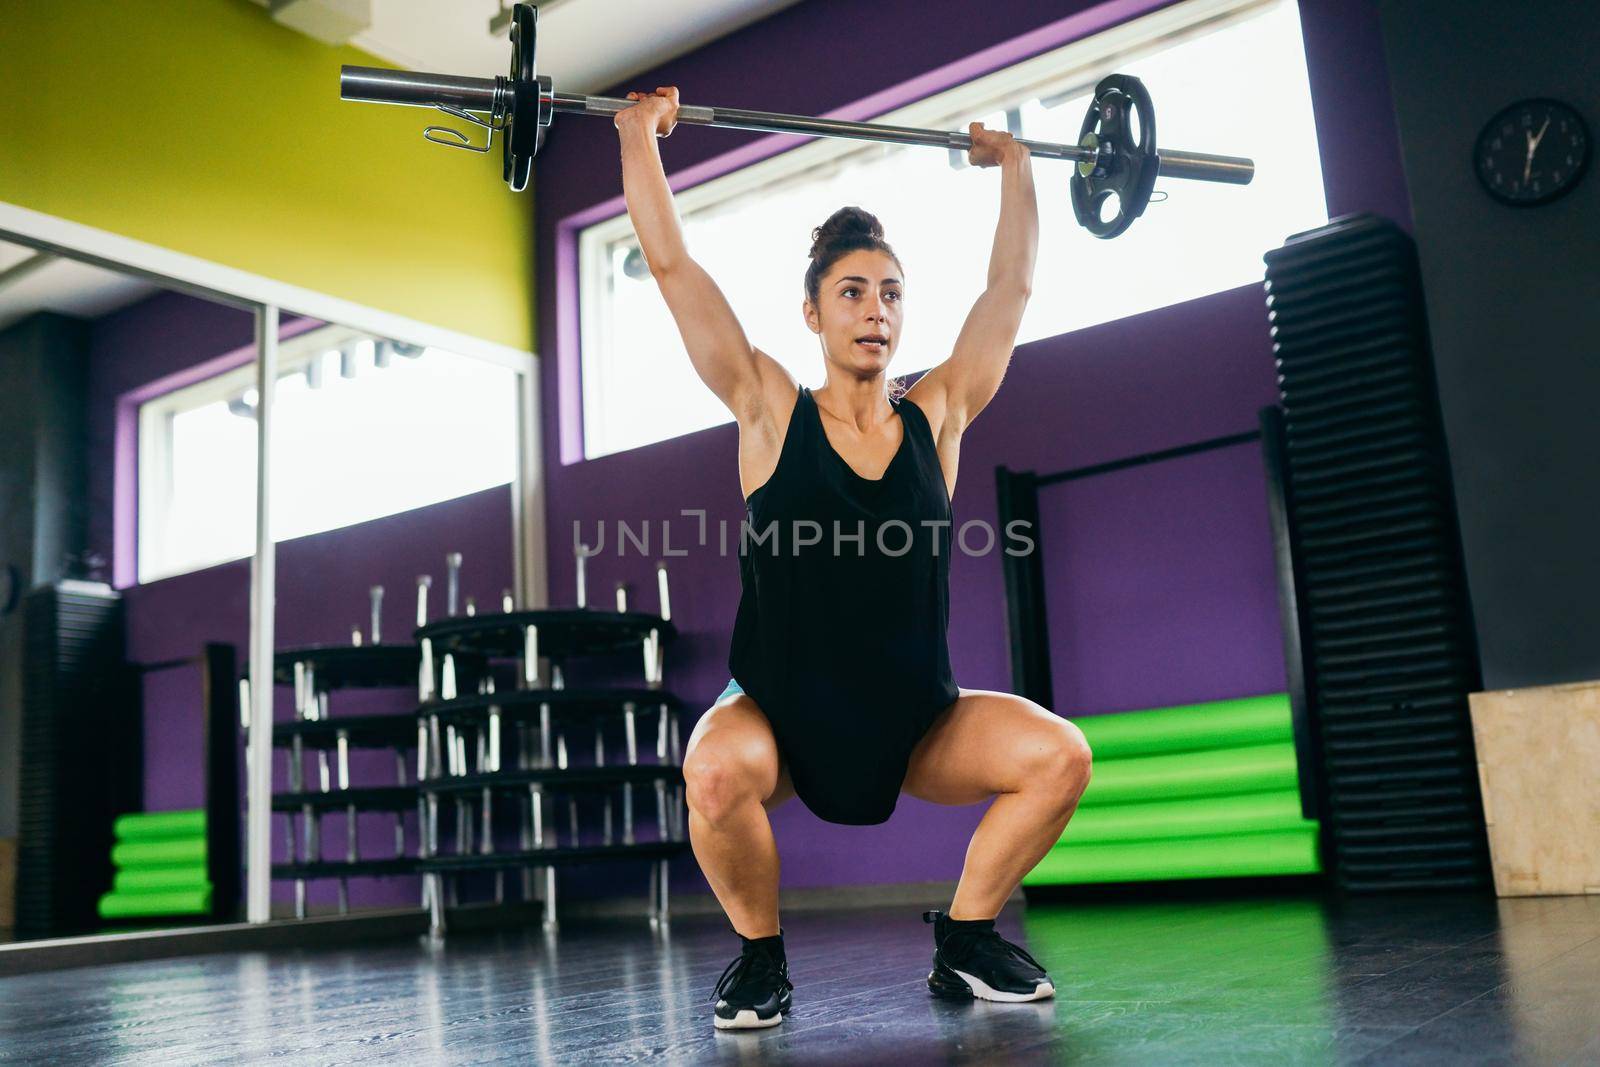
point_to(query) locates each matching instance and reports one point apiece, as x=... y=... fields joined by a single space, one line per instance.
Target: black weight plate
x=1127 y=168
x=521 y=143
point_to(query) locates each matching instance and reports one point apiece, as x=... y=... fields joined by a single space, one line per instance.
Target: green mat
x=1253 y=769
x=146 y=879
x=173 y=853
x=1251 y=813
x=1233 y=856
x=1199 y=791
x=1257 y=720
x=171 y=902
x=160 y=825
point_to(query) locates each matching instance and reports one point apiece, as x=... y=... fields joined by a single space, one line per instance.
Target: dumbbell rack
x=539 y=718
x=536 y=724
x=315 y=671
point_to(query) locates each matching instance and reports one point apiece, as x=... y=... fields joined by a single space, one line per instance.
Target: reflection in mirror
x=391 y=480
x=128 y=456
x=119 y=780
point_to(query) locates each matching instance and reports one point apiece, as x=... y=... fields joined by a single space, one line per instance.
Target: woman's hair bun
x=847 y=222
x=850 y=229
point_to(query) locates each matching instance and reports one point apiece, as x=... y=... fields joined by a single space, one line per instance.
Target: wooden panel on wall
x=1538 y=754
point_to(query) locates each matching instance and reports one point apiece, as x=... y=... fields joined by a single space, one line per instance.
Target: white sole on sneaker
x=981 y=990
x=747 y=1019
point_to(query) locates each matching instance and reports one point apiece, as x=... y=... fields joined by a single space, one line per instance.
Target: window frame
x=154 y=490
x=1071 y=68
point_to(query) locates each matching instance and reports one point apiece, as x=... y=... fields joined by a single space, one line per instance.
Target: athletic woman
x=843 y=692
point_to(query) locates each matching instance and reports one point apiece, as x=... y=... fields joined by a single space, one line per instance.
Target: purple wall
x=1156 y=380
x=1159 y=584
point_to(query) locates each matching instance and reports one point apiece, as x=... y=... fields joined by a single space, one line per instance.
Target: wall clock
x=1532 y=152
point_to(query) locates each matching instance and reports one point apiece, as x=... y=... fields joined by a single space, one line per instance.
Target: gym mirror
x=124 y=601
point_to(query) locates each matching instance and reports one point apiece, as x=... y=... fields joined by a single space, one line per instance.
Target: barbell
x=1113 y=159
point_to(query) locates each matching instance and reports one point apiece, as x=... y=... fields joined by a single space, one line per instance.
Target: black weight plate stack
x=1385 y=622
x=81 y=760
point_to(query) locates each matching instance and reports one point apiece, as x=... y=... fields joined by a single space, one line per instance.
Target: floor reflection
x=1273 y=981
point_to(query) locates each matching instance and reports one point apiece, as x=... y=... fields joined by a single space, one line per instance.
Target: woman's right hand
x=656 y=111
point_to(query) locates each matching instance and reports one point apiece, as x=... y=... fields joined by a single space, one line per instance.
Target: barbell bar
x=381 y=86
x=1110 y=158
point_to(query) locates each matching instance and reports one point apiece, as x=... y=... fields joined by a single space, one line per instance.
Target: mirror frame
x=266 y=298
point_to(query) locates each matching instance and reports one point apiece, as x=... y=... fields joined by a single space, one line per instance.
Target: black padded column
x=1386 y=626
x=43 y=462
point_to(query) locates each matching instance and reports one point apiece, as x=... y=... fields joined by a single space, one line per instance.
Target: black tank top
x=840 y=634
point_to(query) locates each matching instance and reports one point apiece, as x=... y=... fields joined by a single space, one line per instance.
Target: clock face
x=1532 y=152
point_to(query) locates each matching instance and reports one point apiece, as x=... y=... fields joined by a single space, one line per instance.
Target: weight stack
x=82 y=747
x=1388 y=648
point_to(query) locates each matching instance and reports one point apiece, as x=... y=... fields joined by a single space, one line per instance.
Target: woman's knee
x=1062 y=762
x=721 y=774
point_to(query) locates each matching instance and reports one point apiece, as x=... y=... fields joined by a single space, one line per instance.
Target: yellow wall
x=205 y=127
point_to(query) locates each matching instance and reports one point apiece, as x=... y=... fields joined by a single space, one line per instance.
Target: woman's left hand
x=991 y=148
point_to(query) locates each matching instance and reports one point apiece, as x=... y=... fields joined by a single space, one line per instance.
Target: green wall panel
x=1255 y=720
x=160 y=825
x=1232 y=856
x=171 y=902
x=1250 y=813
x=1199 y=791
x=173 y=853
x=150 y=879
x=1254 y=769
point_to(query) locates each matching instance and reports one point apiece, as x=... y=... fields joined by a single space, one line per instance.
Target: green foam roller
x=171 y=902
x=158 y=825
x=1255 y=720
x=1253 y=769
x=1237 y=856
x=1250 y=813
x=173 y=853
x=146 y=879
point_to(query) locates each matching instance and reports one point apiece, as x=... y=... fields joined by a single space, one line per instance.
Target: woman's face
x=858 y=312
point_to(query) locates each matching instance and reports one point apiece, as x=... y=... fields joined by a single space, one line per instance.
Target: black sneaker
x=754 y=990
x=972 y=960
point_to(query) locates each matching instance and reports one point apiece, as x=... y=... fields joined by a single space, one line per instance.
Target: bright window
x=362 y=428
x=1227 y=77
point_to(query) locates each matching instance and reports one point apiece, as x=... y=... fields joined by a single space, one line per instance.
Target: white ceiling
x=584 y=45
x=38 y=281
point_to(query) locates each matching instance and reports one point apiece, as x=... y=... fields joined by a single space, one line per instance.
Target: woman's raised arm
x=963 y=385
x=722 y=356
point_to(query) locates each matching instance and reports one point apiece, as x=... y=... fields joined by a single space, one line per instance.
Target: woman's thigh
x=984 y=744
x=736 y=728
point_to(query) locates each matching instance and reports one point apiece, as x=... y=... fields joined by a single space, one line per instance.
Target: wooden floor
x=1384 y=981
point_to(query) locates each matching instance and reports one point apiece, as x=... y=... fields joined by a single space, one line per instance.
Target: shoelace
x=747 y=965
